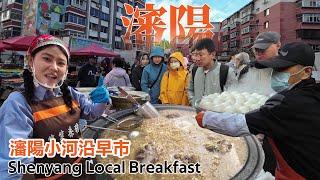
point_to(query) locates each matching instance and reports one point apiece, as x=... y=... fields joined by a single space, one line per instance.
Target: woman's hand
x=100 y=95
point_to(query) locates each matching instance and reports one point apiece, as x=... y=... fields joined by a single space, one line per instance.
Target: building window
x=94 y=38
x=310 y=3
x=55 y=33
x=233 y=25
x=15 y=14
x=119 y=22
x=75 y=34
x=233 y=44
x=118 y=33
x=225 y=38
x=315 y=47
x=76 y=19
x=19 y=1
x=104 y=16
x=12 y=31
x=104 y=29
x=267 y=12
x=10 y=2
x=108 y=4
x=81 y=4
x=311 y=18
x=266 y=24
x=120 y=10
x=308 y=34
x=246 y=41
x=245 y=19
x=245 y=30
x=105 y=3
x=16 y=31
x=234 y=34
x=58 y=2
x=95 y=4
x=5 y=15
x=94 y=27
x=139 y=5
x=225 y=45
x=118 y=45
x=95 y=12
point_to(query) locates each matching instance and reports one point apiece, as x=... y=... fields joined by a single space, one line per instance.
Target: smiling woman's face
x=50 y=65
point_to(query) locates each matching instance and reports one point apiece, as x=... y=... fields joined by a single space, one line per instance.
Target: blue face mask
x=279 y=81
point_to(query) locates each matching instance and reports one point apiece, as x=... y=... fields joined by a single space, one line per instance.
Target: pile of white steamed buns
x=233 y=102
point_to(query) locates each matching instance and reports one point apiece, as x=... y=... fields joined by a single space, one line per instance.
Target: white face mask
x=37 y=82
x=175 y=65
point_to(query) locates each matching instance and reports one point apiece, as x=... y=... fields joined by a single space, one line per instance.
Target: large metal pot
x=250 y=170
x=119 y=102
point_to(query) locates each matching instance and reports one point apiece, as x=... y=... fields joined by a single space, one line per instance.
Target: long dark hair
x=29 y=85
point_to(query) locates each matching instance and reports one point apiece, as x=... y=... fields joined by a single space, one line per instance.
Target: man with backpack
x=210 y=76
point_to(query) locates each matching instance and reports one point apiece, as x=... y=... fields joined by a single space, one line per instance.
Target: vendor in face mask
x=283 y=78
x=289 y=119
x=173 y=88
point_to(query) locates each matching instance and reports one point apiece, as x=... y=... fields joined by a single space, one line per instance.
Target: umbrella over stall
x=19 y=43
x=94 y=50
x=4 y=47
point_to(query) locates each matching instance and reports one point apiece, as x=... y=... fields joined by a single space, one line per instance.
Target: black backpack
x=224 y=69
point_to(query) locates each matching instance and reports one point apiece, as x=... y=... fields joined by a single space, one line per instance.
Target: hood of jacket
x=156 y=51
x=179 y=57
x=118 y=72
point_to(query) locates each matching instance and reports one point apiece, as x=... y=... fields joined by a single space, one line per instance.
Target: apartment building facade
x=79 y=22
x=10 y=18
x=295 y=20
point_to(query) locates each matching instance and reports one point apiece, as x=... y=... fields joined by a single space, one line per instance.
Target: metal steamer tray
x=250 y=170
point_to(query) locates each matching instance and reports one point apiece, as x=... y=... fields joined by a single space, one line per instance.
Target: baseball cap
x=291 y=54
x=266 y=39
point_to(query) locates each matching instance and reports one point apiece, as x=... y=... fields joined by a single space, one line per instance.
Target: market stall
x=11 y=70
x=10 y=78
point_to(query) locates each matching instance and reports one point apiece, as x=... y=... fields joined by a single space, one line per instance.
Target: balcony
x=225 y=28
x=225 y=38
x=233 y=25
x=247 y=42
x=234 y=44
x=247 y=19
x=246 y=30
x=5 y=15
x=93 y=33
x=103 y=35
x=246 y=12
x=311 y=18
x=225 y=46
x=308 y=34
x=309 y=4
x=234 y=35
